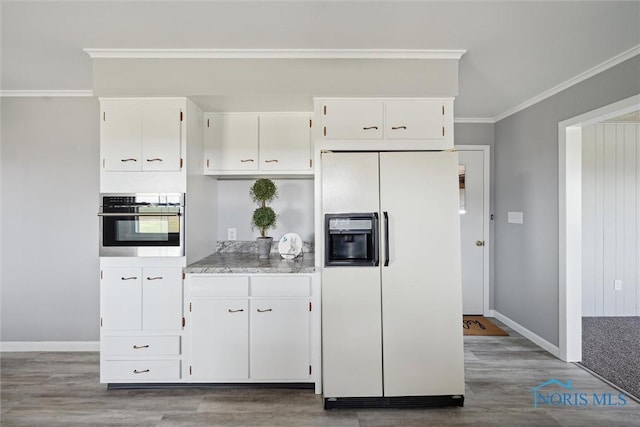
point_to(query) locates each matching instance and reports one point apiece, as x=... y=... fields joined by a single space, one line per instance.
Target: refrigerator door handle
x=386 y=238
x=376 y=240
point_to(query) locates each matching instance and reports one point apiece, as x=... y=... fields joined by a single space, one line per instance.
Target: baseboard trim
x=14 y=346
x=536 y=339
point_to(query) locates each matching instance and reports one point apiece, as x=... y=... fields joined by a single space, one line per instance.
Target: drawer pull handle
x=128 y=160
x=271 y=161
x=236 y=311
x=157 y=159
x=246 y=160
x=155 y=278
x=128 y=278
x=263 y=311
x=137 y=347
x=398 y=127
x=135 y=371
x=370 y=127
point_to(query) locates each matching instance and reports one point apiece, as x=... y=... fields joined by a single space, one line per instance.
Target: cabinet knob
x=479 y=242
x=154 y=160
x=246 y=160
x=128 y=160
x=128 y=278
x=370 y=128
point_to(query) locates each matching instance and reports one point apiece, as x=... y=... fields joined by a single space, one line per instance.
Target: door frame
x=570 y=223
x=486 y=280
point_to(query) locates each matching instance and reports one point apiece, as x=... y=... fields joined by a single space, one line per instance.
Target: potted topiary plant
x=262 y=192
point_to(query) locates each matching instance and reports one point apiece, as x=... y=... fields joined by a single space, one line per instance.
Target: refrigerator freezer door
x=350 y=182
x=421 y=286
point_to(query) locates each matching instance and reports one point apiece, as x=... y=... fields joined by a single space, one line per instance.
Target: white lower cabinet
x=141 y=321
x=253 y=328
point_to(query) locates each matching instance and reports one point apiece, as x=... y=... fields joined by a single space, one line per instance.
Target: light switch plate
x=617 y=285
x=232 y=234
x=515 y=217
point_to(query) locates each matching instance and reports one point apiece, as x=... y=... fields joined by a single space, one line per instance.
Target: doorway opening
x=570 y=222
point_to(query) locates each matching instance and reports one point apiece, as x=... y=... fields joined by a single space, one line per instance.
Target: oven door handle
x=139 y=214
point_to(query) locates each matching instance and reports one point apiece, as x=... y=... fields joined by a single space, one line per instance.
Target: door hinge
x=325 y=131
x=443 y=110
x=184 y=322
x=101 y=322
x=309 y=369
x=310 y=163
x=208 y=123
x=442 y=130
x=180 y=115
x=190 y=371
x=184 y=276
x=101 y=275
x=310 y=306
x=310 y=123
x=207 y=163
x=104 y=117
x=182 y=161
x=325 y=110
x=189 y=307
x=103 y=163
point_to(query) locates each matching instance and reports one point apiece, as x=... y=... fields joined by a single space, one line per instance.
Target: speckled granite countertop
x=242 y=257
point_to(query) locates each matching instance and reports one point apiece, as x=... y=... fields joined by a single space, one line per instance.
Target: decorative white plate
x=290 y=245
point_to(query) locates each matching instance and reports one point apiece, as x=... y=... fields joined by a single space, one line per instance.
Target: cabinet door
x=414 y=120
x=121 y=299
x=231 y=142
x=285 y=142
x=280 y=339
x=121 y=137
x=220 y=339
x=162 y=299
x=353 y=119
x=161 y=135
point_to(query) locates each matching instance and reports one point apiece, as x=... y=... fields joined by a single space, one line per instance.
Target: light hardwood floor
x=62 y=389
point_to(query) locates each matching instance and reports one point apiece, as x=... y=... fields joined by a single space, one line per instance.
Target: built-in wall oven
x=141 y=225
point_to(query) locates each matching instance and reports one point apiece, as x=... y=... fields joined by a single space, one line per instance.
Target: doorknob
x=479 y=242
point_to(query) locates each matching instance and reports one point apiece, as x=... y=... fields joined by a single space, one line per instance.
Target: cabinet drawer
x=220 y=286
x=139 y=346
x=141 y=371
x=280 y=286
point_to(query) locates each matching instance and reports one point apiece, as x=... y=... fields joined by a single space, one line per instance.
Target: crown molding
x=473 y=120
x=274 y=53
x=45 y=93
x=609 y=63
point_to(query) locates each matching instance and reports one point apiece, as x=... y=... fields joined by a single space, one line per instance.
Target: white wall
x=294 y=208
x=611 y=219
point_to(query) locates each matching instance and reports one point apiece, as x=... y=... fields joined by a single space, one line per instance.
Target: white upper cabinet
x=387 y=123
x=353 y=119
x=415 y=120
x=231 y=142
x=140 y=135
x=285 y=142
x=256 y=143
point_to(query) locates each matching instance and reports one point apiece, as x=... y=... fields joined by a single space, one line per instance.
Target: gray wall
x=50 y=158
x=526 y=173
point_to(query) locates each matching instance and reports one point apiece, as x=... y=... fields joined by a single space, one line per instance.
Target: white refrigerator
x=392 y=334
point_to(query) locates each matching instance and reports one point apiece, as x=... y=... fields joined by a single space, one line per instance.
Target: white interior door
x=471 y=177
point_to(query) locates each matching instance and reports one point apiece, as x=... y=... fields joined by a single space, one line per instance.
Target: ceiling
x=515 y=50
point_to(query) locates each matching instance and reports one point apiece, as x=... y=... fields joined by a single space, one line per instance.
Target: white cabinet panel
x=121 y=299
x=285 y=142
x=231 y=142
x=280 y=286
x=220 y=339
x=279 y=339
x=353 y=119
x=230 y=286
x=121 y=137
x=161 y=128
x=162 y=298
x=414 y=120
